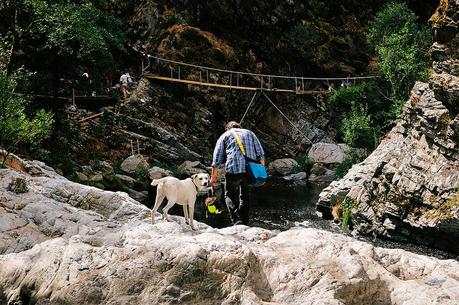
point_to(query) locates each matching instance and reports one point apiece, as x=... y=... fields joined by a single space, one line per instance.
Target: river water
x=279 y=205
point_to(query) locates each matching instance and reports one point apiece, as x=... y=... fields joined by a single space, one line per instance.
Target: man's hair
x=232 y=124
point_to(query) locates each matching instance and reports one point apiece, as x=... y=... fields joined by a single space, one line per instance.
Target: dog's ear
x=194 y=176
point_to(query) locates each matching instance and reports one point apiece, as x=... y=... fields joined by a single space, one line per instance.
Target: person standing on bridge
x=227 y=151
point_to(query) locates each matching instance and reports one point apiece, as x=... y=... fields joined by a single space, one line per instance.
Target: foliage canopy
x=16 y=128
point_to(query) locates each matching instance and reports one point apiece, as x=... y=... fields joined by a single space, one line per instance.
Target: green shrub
x=346 y=208
x=357 y=128
x=116 y=165
x=304 y=163
x=16 y=127
x=62 y=161
x=360 y=94
x=401 y=45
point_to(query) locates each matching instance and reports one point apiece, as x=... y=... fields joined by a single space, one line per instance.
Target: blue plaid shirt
x=227 y=149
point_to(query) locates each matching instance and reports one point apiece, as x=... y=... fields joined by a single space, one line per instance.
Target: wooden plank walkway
x=226 y=86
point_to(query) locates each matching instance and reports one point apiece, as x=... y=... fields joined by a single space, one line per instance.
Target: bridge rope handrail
x=347 y=78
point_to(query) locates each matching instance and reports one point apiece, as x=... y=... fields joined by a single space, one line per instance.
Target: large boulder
x=189 y=168
x=157 y=172
x=66 y=243
x=134 y=164
x=320 y=173
x=327 y=153
x=283 y=167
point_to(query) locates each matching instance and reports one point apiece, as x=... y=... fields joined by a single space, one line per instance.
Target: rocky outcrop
x=66 y=243
x=406 y=188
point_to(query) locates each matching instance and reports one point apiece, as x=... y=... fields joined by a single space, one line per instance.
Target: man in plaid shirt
x=227 y=151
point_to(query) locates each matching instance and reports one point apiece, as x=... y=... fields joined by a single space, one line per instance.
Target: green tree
x=62 y=37
x=401 y=45
x=362 y=94
x=16 y=128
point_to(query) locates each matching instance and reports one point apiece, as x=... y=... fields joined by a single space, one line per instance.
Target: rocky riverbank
x=63 y=242
x=407 y=189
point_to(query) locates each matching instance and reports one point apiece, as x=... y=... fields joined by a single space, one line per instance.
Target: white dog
x=178 y=191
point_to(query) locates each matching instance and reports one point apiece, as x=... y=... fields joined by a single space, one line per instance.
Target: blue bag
x=256 y=172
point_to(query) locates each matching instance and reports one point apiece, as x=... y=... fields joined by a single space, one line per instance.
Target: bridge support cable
x=248 y=107
x=293 y=124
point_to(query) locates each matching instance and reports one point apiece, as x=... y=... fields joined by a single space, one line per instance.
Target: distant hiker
x=125 y=82
x=227 y=149
x=85 y=84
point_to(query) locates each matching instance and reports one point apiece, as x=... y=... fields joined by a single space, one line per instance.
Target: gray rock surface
x=134 y=164
x=320 y=173
x=66 y=243
x=283 y=167
x=327 y=153
x=157 y=173
x=296 y=177
x=189 y=168
x=127 y=180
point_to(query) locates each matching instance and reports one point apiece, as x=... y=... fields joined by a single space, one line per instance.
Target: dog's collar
x=195 y=186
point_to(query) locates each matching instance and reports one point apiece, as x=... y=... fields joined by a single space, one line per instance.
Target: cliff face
x=408 y=187
x=177 y=122
x=280 y=37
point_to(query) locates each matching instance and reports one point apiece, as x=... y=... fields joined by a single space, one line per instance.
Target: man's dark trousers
x=237 y=197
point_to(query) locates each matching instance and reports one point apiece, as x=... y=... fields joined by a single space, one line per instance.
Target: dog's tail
x=158 y=181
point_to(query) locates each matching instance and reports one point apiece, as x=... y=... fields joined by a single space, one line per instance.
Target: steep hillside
x=281 y=37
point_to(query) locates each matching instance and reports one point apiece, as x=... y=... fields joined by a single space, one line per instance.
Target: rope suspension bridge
x=162 y=69
x=166 y=70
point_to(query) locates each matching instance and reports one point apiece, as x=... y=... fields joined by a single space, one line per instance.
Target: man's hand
x=213 y=176
x=262 y=161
